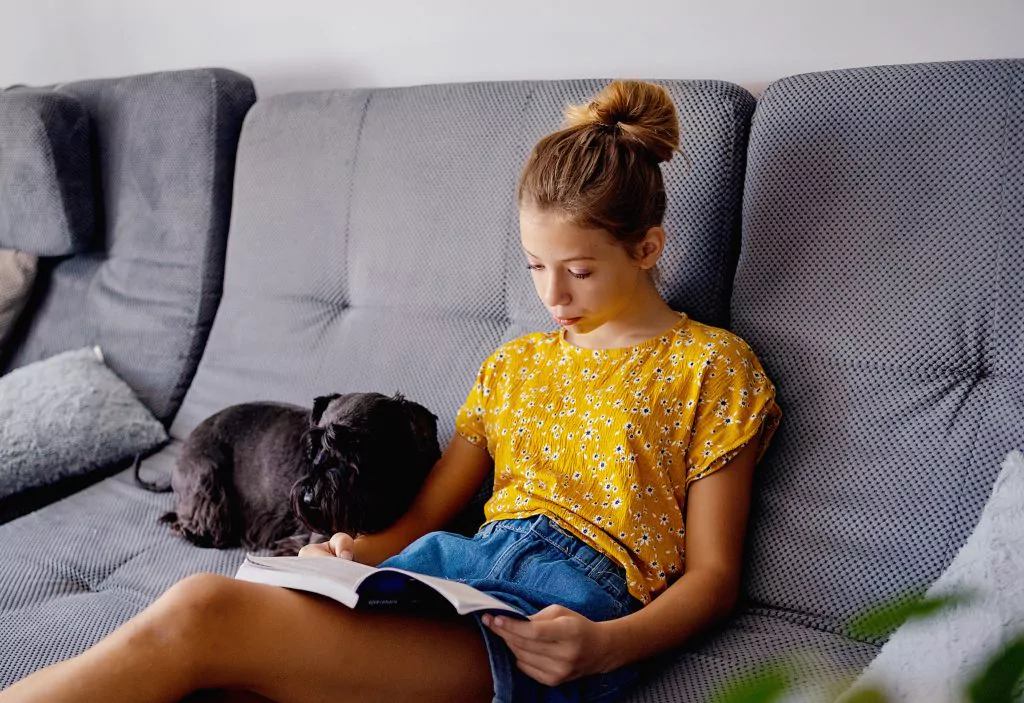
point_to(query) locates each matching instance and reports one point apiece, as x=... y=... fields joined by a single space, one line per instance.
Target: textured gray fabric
x=106 y=558
x=752 y=640
x=934 y=659
x=147 y=292
x=46 y=179
x=17 y=274
x=879 y=282
x=68 y=415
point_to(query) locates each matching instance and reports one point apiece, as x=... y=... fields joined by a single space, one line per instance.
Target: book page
x=350 y=582
x=331 y=577
x=345 y=571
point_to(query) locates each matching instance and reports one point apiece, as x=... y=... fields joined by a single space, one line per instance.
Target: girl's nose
x=555 y=292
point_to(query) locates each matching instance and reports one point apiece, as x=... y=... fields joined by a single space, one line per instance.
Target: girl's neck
x=646 y=316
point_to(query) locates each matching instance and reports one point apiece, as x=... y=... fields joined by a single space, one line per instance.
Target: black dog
x=256 y=474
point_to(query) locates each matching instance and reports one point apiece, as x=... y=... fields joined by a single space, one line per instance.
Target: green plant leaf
x=867 y=695
x=999 y=680
x=882 y=619
x=763 y=686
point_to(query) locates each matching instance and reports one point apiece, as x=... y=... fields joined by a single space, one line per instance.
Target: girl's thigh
x=292 y=646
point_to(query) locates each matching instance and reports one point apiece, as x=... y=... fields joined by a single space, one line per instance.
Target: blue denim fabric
x=531 y=563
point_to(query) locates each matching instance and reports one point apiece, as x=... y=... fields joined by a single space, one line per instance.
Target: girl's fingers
x=342 y=545
x=537 y=674
x=315 y=550
x=527 y=644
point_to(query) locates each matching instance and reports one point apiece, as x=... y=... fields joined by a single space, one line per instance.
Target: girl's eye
x=574 y=274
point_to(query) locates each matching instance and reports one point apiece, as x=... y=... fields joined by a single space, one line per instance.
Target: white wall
x=303 y=44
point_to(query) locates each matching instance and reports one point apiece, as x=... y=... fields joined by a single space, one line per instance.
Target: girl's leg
x=221 y=695
x=211 y=631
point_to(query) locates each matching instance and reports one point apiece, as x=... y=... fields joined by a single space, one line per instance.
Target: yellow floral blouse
x=606 y=442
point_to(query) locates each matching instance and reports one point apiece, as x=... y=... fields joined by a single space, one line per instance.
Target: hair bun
x=637 y=111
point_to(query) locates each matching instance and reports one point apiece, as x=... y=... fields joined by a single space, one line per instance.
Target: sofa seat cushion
x=753 y=641
x=75 y=570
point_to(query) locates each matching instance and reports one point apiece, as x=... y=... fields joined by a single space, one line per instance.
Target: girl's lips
x=567 y=321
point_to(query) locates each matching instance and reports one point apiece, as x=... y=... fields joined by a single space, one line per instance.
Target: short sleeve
x=736 y=405
x=470 y=421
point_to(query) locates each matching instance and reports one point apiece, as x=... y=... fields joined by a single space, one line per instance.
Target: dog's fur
x=275 y=476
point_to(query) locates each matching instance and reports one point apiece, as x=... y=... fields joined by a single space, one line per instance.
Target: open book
x=358 y=585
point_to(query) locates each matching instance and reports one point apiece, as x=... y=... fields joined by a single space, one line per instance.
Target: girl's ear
x=650 y=247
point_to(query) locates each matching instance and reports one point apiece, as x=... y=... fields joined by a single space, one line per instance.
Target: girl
x=621 y=444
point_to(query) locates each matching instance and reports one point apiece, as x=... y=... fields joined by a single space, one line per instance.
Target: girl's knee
x=192 y=618
x=191 y=613
x=200 y=599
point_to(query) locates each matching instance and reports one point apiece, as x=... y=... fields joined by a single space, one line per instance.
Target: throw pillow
x=17 y=273
x=68 y=415
x=933 y=659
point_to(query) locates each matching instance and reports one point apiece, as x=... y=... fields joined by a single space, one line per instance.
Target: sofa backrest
x=880 y=280
x=46 y=197
x=146 y=291
x=374 y=242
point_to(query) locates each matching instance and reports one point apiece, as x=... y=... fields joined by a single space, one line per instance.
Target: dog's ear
x=424 y=428
x=346 y=436
x=319 y=405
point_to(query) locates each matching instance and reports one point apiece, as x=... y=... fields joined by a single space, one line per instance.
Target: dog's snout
x=307 y=496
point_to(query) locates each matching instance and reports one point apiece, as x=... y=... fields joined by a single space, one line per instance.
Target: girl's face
x=583 y=276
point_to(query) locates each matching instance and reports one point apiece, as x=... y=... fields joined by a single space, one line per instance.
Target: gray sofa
x=862 y=229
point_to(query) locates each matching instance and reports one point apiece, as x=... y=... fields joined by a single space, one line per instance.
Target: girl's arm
x=448 y=488
x=717 y=508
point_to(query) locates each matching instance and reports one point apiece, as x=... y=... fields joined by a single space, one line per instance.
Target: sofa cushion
x=46 y=178
x=146 y=292
x=375 y=247
x=66 y=416
x=880 y=283
x=753 y=641
x=17 y=273
x=106 y=558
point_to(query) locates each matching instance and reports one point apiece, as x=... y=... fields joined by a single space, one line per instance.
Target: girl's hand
x=340 y=545
x=555 y=645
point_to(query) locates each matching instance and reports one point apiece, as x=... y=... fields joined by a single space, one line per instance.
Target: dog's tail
x=154 y=487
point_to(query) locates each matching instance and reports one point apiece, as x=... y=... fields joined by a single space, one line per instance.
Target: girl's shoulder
x=524 y=347
x=707 y=337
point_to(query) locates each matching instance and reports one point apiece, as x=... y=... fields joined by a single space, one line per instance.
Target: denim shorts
x=531 y=563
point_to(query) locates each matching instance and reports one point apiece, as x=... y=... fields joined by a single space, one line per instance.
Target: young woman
x=623 y=447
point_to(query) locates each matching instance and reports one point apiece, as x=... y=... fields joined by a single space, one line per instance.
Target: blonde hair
x=601 y=170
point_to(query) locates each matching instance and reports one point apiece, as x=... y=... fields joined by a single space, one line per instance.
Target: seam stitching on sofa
x=346 y=296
